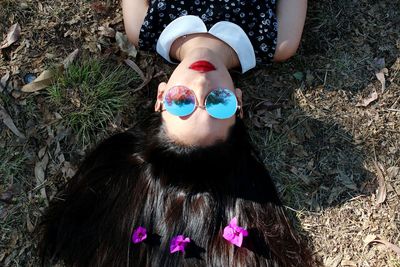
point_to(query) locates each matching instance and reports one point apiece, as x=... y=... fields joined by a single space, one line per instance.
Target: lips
x=202 y=66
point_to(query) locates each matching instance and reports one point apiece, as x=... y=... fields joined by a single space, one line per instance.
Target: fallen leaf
x=347 y=180
x=381 y=194
x=268 y=105
x=68 y=170
x=333 y=261
x=12 y=36
x=366 y=101
x=4 y=80
x=117 y=18
x=368 y=240
x=380 y=75
x=125 y=45
x=107 y=31
x=99 y=7
x=267 y=118
x=44 y=80
x=136 y=68
x=29 y=224
x=393 y=172
x=378 y=64
x=145 y=78
x=335 y=193
x=40 y=169
x=70 y=58
x=7 y=120
x=3 y=214
x=381 y=191
x=348 y=263
x=7 y=196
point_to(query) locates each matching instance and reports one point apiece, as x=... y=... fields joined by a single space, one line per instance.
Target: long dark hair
x=142 y=178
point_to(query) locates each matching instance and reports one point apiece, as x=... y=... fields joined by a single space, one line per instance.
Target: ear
x=239 y=96
x=161 y=89
x=160 y=93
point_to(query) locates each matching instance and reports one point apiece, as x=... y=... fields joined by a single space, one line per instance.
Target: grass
x=89 y=94
x=12 y=164
x=271 y=145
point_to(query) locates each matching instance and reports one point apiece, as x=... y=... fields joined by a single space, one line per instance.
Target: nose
x=201 y=87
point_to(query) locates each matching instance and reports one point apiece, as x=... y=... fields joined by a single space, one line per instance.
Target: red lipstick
x=202 y=66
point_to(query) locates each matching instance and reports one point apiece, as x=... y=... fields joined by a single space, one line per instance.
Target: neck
x=185 y=46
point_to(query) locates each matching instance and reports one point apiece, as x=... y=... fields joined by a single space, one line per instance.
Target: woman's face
x=198 y=128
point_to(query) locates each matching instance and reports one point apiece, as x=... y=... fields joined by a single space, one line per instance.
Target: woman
x=186 y=188
x=209 y=38
x=141 y=199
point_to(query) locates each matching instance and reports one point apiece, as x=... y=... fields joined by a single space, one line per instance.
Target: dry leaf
x=4 y=80
x=347 y=180
x=381 y=194
x=374 y=239
x=366 y=101
x=368 y=239
x=268 y=105
x=7 y=196
x=44 y=80
x=335 y=193
x=40 y=169
x=12 y=36
x=267 y=118
x=100 y=7
x=29 y=224
x=68 y=170
x=333 y=262
x=136 y=68
x=107 y=31
x=348 y=263
x=117 y=18
x=70 y=58
x=380 y=75
x=146 y=78
x=393 y=172
x=125 y=45
x=9 y=122
x=378 y=63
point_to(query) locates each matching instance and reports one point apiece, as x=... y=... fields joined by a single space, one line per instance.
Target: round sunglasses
x=220 y=103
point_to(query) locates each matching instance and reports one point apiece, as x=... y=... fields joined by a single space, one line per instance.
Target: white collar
x=228 y=32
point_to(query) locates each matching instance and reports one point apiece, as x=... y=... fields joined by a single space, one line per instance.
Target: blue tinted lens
x=179 y=101
x=221 y=103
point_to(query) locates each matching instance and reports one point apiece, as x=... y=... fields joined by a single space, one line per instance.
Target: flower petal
x=139 y=235
x=228 y=233
x=178 y=243
x=234 y=233
x=233 y=222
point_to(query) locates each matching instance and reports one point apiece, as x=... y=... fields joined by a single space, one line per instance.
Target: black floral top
x=256 y=17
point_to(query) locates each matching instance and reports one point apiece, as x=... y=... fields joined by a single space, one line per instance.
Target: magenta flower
x=179 y=243
x=234 y=233
x=139 y=235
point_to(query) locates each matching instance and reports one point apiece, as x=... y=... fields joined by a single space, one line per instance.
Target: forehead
x=197 y=129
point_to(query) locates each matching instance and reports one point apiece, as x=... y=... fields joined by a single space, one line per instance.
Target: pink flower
x=139 y=235
x=234 y=233
x=179 y=243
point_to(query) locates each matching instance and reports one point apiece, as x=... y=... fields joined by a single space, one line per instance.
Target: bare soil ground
x=327 y=122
